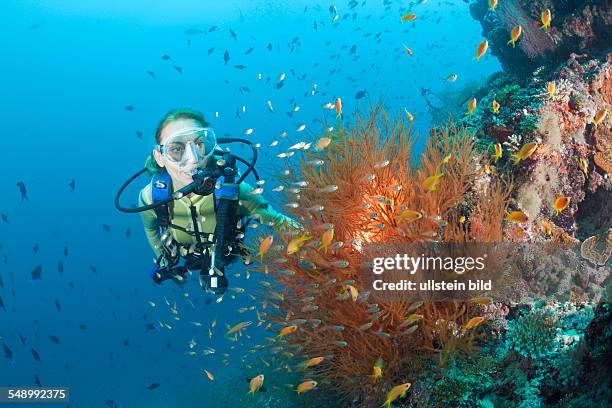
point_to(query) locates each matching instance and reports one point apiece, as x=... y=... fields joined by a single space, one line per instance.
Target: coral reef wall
x=555 y=92
x=577 y=26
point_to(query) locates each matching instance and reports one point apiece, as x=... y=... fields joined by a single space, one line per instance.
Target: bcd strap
x=226 y=191
x=161 y=185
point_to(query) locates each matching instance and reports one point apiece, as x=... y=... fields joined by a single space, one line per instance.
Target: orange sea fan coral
x=377 y=178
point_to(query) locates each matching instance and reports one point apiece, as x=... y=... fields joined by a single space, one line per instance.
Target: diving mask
x=198 y=143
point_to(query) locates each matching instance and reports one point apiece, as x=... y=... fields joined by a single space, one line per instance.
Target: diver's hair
x=169 y=117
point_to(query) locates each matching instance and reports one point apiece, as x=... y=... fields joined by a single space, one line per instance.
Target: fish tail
x=516 y=158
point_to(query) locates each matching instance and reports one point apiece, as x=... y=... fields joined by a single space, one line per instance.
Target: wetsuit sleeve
x=149 y=221
x=255 y=204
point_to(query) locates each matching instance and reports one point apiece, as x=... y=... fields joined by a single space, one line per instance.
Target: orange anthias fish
x=312 y=362
x=327 y=238
x=395 y=393
x=600 y=116
x=338 y=106
x=377 y=370
x=481 y=49
x=408 y=17
x=255 y=384
x=561 y=203
x=209 y=375
x=287 y=330
x=515 y=34
x=409 y=115
x=498 y=151
x=526 y=151
x=495 y=106
x=306 y=386
x=322 y=143
x=471 y=106
x=408 y=50
x=264 y=246
x=551 y=88
x=409 y=216
x=517 y=216
x=493 y=4
x=473 y=322
x=296 y=243
x=546 y=19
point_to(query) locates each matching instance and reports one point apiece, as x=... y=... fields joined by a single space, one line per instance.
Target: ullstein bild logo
x=462 y=271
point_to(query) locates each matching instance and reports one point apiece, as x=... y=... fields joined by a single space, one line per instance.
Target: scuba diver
x=197 y=205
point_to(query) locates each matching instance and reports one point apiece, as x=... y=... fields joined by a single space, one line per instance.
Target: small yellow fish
x=352 y=291
x=481 y=49
x=431 y=183
x=395 y=393
x=306 y=386
x=338 y=107
x=546 y=19
x=312 y=362
x=471 y=106
x=238 y=327
x=408 y=17
x=517 y=216
x=327 y=238
x=287 y=330
x=584 y=166
x=264 y=246
x=409 y=216
x=600 y=116
x=526 y=151
x=561 y=203
x=296 y=243
x=551 y=88
x=377 y=370
x=474 y=322
x=462 y=219
x=493 y=4
x=255 y=384
x=322 y=143
x=498 y=152
x=209 y=375
x=481 y=300
x=515 y=34
x=414 y=317
x=547 y=227
x=495 y=106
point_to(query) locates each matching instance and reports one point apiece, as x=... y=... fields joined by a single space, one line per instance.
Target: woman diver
x=194 y=208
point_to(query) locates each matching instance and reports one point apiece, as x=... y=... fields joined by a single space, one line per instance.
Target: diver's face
x=181 y=174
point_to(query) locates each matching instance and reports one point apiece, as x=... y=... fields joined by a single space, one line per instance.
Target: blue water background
x=68 y=69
